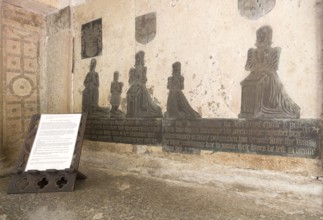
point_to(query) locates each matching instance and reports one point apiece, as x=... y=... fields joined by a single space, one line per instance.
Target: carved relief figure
x=90 y=97
x=139 y=102
x=254 y=9
x=263 y=94
x=177 y=104
x=116 y=90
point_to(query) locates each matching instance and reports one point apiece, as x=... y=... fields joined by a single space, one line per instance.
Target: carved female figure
x=139 y=101
x=177 y=104
x=269 y=96
x=90 y=96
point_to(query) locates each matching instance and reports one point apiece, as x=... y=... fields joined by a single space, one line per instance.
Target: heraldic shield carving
x=92 y=39
x=146 y=28
x=254 y=9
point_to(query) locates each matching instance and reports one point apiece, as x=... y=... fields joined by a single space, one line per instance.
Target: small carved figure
x=139 y=102
x=116 y=90
x=177 y=104
x=90 y=97
x=263 y=94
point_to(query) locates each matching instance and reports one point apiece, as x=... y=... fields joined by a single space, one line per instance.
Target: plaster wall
x=59 y=47
x=211 y=40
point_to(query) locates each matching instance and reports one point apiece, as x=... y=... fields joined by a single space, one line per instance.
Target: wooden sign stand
x=34 y=181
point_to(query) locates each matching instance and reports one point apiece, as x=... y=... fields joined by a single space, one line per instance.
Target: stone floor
x=129 y=186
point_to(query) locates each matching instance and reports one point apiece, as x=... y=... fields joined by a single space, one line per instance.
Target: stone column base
x=4 y=166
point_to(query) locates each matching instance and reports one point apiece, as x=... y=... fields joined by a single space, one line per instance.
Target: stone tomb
x=283 y=137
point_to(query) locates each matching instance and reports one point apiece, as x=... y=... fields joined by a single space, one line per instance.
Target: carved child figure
x=116 y=90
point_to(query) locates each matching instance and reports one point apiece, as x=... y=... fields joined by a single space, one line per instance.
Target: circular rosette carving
x=21 y=86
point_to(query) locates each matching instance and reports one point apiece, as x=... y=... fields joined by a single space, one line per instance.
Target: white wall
x=211 y=40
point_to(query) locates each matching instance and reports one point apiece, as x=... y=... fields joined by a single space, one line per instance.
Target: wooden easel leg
x=80 y=176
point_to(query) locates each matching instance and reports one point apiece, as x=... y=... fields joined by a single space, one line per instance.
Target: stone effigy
x=139 y=102
x=116 y=90
x=263 y=94
x=90 y=95
x=177 y=105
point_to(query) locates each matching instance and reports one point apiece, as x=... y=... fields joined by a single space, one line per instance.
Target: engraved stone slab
x=281 y=137
x=293 y=138
x=254 y=9
x=146 y=28
x=92 y=39
x=129 y=131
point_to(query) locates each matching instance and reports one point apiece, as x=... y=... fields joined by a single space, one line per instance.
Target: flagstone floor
x=139 y=193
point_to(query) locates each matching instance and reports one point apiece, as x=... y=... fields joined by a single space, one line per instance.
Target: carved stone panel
x=20 y=72
x=92 y=39
x=254 y=9
x=146 y=28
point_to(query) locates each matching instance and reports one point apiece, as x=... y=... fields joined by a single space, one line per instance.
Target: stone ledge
x=301 y=166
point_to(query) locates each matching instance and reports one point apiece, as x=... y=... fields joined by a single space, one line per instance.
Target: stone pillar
x=3 y=171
